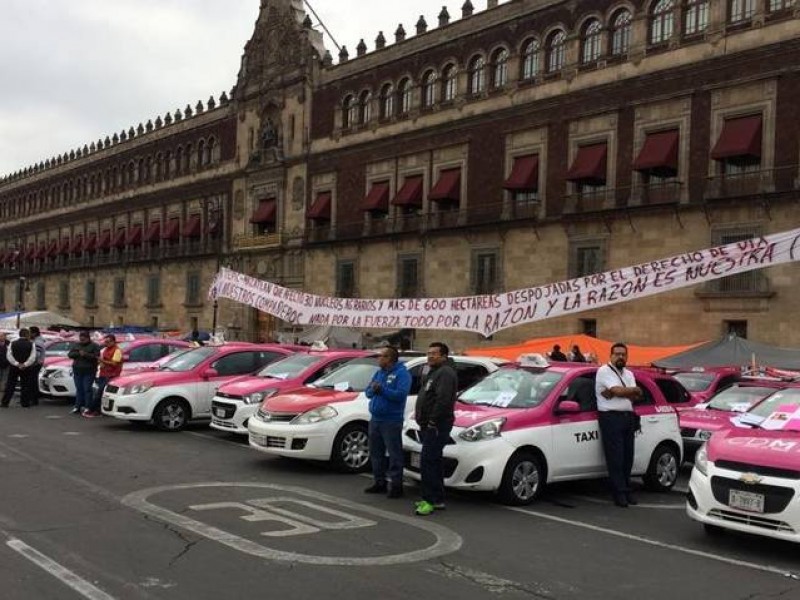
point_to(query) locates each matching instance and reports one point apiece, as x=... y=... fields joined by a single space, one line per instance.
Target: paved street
x=103 y=509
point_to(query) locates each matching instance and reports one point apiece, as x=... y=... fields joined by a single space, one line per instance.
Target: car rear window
x=289 y=367
x=695 y=382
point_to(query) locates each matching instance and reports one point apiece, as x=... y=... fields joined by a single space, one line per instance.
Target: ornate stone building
x=521 y=144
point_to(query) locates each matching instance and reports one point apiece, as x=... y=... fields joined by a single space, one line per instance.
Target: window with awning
x=659 y=154
x=589 y=165
x=104 y=242
x=266 y=213
x=41 y=252
x=118 y=241
x=524 y=175
x=321 y=209
x=153 y=233
x=90 y=245
x=740 y=138
x=410 y=193
x=377 y=200
x=29 y=253
x=134 y=237
x=192 y=228
x=52 y=249
x=447 y=187
x=64 y=246
x=172 y=230
x=76 y=246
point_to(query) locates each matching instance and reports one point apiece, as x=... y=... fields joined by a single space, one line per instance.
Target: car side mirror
x=209 y=373
x=568 y=407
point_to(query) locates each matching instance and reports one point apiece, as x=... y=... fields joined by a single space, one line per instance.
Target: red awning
x=90 y=245
x=64 y=246
x=589 y=165
x=740 y=137
x=448 y=187
x=30 y=252
x=524 y=174
x=104 y=242
x=266 y=212
x=377 y=198
x=659 y=152
x=410 y=193
x=321 y=209
x=153 y=232
x=134 y=236
x=119 y=238
x=172 y=230
x=42 y=251
x=52 y=249
x=77 y=244
x=191 y=228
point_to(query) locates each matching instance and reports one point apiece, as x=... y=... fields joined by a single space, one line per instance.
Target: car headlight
x=137 y=388
x=701 y=460
x=483 y=431
x=704 y=434
x=323 y=413
x=258 y=397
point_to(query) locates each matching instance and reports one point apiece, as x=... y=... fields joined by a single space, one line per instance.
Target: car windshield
x=188 y=360
x=739 y=399
x=289 y=367
x=512 y=388
x=353 y=376
x=58 y=349
x=782 y=401
x=695 y=382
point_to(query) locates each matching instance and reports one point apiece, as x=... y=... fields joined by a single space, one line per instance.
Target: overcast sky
x=74 y=71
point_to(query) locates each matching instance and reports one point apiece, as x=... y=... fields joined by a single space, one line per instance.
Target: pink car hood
x=157 y=378
x=241 y=386
x=709 y=420
x=300 y=400
x=468 y=415
x=780 y=449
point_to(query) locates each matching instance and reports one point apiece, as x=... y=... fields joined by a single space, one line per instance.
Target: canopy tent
x=733 y=351
x=40 y=318
x=334 y=337
x=599 y=349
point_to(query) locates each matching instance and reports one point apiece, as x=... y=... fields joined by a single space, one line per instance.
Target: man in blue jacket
x=387 y=393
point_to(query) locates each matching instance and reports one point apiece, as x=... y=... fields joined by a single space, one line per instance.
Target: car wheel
x=171 y=414
x=523 y=479
x=351 y=449
x=662 y=472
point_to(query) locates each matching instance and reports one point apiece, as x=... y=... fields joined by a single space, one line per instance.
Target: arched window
x=695 y=17
x=179 y=160
x=187 y=158
x=349 y=111
x=500 y=68
x=131 y=173
x=387 y=101
x=530 y=59
x=148 y=167
x=169 y=167
x=741 y=10
x=590 y=41
x=365 y=107
x=556 y=51
x=211 y=151
x=428 y=89
x=449 y=83
x=621 y=32
x=404 y=96
x=201 y=153
x=662 y=21
x=476 y=75
x=159 y=166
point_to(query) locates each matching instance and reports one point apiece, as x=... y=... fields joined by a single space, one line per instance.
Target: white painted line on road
x=54 y=417
x=217 y=439
x=67 y=577
x=680 y=506
x=72 y=433
x=656 y=543
x=18 y=436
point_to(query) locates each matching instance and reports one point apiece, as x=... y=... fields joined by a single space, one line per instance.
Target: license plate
x=220 y=412
x=746 y=501
x=414 y=459
x=258 y=440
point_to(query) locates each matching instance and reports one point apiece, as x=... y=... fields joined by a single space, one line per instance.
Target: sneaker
x=376 y=488
x=75 y=411
x=90 y=414
x=423 y=508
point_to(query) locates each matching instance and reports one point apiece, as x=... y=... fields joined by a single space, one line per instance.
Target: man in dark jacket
x=39 y=342
x=85 y=356
x=434 y=415
x=4 y=364
x=21 y=357
x=387 y=393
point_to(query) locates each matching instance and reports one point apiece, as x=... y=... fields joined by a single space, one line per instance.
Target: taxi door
x=227 y=367
x=659 y=422
x=578 y=451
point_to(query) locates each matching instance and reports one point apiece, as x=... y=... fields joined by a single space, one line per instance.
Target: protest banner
x=488 y=314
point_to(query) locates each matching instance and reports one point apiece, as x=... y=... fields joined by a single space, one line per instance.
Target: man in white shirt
x=616 y=391
x=21 y=355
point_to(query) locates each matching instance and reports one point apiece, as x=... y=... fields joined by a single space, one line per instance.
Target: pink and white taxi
x=748 y=479
x=525 y=426
x=181 y=390
x=237 y=401
x=329 y=420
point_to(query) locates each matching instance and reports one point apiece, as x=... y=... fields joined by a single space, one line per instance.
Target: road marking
x=656 y=543
x=72 y=433
x=54 y=417
x=67 y=577
x=19 y=436
x=446 y=540
x=680 y=506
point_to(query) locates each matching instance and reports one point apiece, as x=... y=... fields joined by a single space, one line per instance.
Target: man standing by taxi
x=435 y=416
x=616 y=391
x=84 y=355
x=387 y=393
x=110 y=366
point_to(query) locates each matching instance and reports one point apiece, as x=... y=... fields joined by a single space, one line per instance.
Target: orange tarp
x=599 y=349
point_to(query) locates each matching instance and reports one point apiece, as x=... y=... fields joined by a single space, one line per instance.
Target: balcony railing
x=250 y=242
x=654 y=193
x=590 y=201
x=749 y=183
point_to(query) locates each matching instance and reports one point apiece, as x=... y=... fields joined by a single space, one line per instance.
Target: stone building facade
x=521 y=144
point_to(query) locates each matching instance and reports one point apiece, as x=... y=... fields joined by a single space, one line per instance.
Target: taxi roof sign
x=533 y=359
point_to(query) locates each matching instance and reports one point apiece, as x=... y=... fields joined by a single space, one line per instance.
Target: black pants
x=617 y=433
x=37 y=368
x=27 y=384
x=434 y=439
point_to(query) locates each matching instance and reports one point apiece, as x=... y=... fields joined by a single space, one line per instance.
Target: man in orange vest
x=110 y=366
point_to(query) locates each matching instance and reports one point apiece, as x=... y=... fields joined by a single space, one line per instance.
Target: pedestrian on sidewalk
x=39 y=342
x=85 y=356
x=435 y=416
x=110 y=366
x=387 y=393
x=21 y=356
